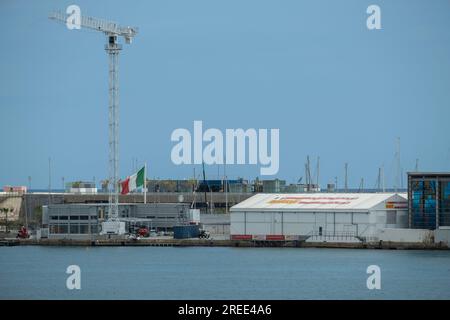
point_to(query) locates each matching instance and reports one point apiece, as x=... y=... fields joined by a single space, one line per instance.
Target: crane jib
x=108 y=27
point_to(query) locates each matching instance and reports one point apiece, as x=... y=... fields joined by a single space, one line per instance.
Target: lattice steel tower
x=112 y=31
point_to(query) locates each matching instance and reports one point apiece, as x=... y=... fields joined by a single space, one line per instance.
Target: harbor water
x=33 y=272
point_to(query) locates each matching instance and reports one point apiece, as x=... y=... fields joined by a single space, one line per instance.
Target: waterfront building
x=81 y=187
x=83 y=221
x=429 y=200
x=322 y=216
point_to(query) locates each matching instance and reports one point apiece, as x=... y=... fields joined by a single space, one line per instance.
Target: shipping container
x=185 y=232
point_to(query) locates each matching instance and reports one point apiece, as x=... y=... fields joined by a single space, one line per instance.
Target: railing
x=335 y=235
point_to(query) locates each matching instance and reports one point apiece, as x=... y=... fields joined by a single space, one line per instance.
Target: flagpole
x=145 y=182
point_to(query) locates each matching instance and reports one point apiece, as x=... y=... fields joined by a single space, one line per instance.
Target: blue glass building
x=429 y=200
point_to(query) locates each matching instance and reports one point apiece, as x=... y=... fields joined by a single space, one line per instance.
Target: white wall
x=405 y=235
x=367 y=224
x=295 y=223
x=442 y=235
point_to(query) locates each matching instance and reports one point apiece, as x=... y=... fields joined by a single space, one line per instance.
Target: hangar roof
x=320 y=201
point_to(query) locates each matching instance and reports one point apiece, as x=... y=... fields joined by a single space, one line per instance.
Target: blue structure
x=186 y=231
x=429 y=200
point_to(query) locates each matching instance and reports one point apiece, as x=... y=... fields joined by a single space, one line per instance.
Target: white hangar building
x=319 y=216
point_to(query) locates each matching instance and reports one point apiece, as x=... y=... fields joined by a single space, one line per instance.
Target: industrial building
x=321 y=216
x=429 y=200
x=81 y=187
x=83 y=221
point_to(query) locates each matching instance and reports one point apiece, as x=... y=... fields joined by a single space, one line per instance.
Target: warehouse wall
x=365 y=224
x=442 y=235
x=294 y=223
x=405 y=235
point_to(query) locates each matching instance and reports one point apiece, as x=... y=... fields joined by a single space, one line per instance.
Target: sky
x=312 y=69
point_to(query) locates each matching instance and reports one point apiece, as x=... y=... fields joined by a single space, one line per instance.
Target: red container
x=274 y=237
x=241 y=237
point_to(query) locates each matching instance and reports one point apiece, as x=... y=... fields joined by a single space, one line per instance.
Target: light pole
x=6 y=213
x=63 y=189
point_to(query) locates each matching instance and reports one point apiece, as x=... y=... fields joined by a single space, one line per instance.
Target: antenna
x=49 y=181
x=346 y=177
x=417 y=165
x=361 y=185
x=318 y=171
x=226 y=186
x=308 y=166
x=397 y=177
x=206 y=186
x=401 y=178
x=306 y=177
x=379 y=180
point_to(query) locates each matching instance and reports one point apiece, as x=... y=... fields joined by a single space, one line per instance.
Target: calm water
x=221 y=273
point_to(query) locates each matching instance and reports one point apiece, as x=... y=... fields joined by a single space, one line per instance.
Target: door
x=277 y=223
x=320 y=224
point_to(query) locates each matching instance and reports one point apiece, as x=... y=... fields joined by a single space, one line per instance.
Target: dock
x=155 y=242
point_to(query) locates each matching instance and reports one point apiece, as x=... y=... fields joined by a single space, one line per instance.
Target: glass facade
x=444 y=203
x=429 y=200
x=84 y=220
x=60 y=228
x=73 y=224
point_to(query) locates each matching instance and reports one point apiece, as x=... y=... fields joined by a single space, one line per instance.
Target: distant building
x=168 y=185
x=235 y=185
x=273 y=186
x=15 y=189
x=81 y=187
x=83 y=221
x=188 y=186
x=429 y=200
x=300 y=188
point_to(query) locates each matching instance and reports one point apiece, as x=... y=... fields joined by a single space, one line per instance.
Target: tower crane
x=112 y=31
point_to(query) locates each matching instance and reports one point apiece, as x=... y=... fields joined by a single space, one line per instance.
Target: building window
x=94 y=228
x=74 y=229
x=63 y=229
x=53 y=228
x=84 y=229
x=444 y=203
x=424 y=204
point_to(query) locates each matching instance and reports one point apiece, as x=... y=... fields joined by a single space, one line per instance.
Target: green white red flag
x=133 y=182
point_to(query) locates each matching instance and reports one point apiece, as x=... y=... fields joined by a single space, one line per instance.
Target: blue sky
x=310 y=68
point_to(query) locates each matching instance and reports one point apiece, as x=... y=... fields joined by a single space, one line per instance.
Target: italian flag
x=133 y=182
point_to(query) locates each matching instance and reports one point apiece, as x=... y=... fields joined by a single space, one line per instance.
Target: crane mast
x=113 y=49
x=112 y=31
